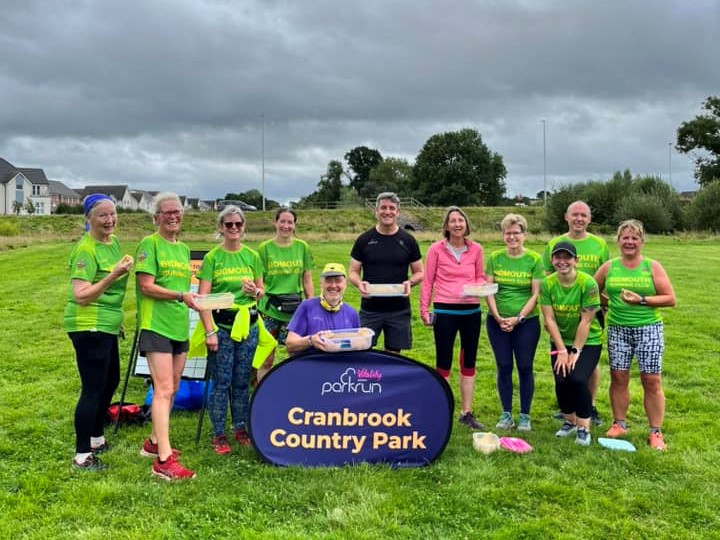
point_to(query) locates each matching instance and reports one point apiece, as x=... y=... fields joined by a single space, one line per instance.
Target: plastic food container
x=215 y=301
x=348 y=339
x=385 y=289
x=485 y=442
x=480 y=289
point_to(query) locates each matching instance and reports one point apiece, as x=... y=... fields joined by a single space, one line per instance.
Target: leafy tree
x=703 y=212
x=330 y=183
x=392 y=174
x=458 y=168
x=30 y=207
x=362 y=160
x=702 y=134
x=17 y=207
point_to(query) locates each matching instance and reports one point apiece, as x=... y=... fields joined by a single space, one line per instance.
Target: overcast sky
x=170 y=94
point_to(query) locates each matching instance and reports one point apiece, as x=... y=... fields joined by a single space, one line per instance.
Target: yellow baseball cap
x=333 y=269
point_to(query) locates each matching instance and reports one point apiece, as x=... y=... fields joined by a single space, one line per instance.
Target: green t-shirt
x=567 y=304
x=225 y=270
x=170 y=264
x=592 y=252
x=283 y=268
x=638 y=280
x=514 y=276
x=91 y=261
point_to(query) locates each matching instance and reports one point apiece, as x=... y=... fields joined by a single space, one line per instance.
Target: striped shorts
x=646 y=343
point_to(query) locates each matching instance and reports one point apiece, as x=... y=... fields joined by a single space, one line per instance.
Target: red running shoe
x=150 y=449
x=171 y=470
x=221 y=445
x=242 y=437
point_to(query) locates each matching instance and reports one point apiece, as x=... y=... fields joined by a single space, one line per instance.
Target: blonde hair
x=165 y=196
x=513 y=219
x=634 y=225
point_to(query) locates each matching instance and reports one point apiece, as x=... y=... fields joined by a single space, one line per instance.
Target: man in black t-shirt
x=383 y=255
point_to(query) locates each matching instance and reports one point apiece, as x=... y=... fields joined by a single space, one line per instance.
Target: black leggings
x=572 y=391
x=98 y=361
x=446 y=328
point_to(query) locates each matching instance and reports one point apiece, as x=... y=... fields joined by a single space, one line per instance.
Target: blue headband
x=89 y=203
x=91 y=200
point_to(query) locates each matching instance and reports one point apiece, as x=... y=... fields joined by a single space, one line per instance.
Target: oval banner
x=326 y=409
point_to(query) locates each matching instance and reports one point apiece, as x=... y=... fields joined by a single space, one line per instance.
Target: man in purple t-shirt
x=324 y=312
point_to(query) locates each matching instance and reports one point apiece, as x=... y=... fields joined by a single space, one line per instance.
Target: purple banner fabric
x=324 y=409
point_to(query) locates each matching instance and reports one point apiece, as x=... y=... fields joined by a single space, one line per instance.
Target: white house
x=22 y=189
x=118 y=193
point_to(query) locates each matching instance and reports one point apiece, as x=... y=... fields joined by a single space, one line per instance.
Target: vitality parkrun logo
x=354 y=381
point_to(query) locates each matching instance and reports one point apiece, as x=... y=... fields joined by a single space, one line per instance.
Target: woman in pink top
x=450 y=264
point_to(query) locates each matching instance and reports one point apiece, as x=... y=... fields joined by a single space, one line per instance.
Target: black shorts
x=153 y=342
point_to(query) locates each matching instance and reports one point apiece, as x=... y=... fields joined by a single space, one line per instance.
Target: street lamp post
x=544 y=122
x=263 y=161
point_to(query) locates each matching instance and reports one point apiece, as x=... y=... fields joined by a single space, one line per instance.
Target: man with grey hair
x=386 y=254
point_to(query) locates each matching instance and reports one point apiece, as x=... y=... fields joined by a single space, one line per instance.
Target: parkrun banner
x=325 y=409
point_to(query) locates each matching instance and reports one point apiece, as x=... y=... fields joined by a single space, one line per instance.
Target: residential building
x=118 y=193
x=61 y=194
x=23 y=188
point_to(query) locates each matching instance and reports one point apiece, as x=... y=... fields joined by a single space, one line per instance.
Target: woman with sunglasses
x=287 y=271
x=163 y=284
x=235 y=268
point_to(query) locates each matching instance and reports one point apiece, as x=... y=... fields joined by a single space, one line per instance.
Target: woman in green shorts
x=287 y=273
x=163 y=285
x=93 y=318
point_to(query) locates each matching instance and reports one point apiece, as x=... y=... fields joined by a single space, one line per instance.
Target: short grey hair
x=228 y=210
x=389 y=196
x=165 y=196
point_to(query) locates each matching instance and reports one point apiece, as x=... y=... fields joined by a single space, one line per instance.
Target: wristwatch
x=520 y=319
x=643 y=300
x=575 y=350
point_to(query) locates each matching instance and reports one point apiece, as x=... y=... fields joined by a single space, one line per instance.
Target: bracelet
x=210 y=333
x=310 y=341
x=179 y=296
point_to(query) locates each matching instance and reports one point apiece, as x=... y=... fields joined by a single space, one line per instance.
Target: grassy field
x=558 y=491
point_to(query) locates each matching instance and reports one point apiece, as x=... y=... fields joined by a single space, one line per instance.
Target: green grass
x=558 y=491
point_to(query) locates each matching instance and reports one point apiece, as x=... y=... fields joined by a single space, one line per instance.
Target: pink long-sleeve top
x=445 y=275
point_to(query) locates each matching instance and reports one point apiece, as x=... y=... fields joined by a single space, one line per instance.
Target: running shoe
x=524 y=422
x=656 y=441
x=92 y=463
x=242 y=437
x=221 y=445
x=468 y=419
x=583 y=437
x=566 y=430
x=100 y=448
x=506 y=421
x=150 y=449
x=171 y=470
x=616 y=430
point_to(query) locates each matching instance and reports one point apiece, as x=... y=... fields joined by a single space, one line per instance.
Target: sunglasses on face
x=233 y=224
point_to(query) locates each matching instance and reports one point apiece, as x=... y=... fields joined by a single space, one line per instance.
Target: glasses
x=171 y=213
x=513 y=233
x=233 y=224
